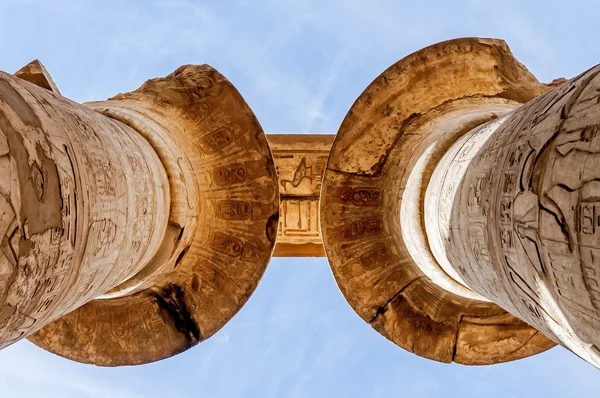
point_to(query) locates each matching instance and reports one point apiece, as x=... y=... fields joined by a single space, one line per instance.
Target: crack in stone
x=456 y=339
x=377 y=168
x=172 y=300
x=524 y=344
x=382 y=308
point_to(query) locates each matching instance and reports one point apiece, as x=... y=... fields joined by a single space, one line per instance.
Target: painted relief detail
x=545 y=195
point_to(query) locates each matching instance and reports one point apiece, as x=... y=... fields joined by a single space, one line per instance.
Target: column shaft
x=84 y=202
x=519 y=201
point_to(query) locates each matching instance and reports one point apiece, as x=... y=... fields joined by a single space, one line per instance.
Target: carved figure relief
x=89 y=192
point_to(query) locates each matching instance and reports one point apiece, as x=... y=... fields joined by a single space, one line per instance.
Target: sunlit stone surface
x=458 y=206
x=136 y=227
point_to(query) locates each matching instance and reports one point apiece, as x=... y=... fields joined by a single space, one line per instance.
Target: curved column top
x=442 y=91
x=223 y=220
x=532 y=242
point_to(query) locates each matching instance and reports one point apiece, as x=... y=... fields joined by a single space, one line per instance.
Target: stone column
x=133 y=228
x=458 y=188
x=84 y=203
x=376 y=230
x=518 y=201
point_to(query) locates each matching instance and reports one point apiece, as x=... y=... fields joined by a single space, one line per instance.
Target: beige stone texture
x=35 y=72
x=372 y=204
x=458 y=206
x=524 y=220
x=134 y=227
x=73 y=184
x=300 y=160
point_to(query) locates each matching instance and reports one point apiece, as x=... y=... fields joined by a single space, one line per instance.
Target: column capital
x=372 y=211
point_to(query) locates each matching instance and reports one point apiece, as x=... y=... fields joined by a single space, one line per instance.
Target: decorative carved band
x=300 y=160
x=458 y=204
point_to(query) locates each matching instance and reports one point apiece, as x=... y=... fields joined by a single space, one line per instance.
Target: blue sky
x=300 y=65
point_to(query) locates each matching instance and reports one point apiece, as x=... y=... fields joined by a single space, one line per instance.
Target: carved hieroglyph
x=459 y=204
x=372 y=204
x=84 y=205
x=300 y=160
x=524 y=218
x=134 y=228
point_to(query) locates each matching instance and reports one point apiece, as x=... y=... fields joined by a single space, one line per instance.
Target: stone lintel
x=300 y=160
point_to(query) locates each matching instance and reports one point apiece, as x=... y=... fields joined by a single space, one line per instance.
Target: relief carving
x=226 y=244
x=362 y=229
x=361 y=196
x=215 y=140
x=312 y=174
x=544 y=165
x=233 y=210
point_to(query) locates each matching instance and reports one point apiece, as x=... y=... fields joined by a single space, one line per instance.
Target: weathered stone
x=372 y=205
x=458 y=207
x=300 y=160
x=524 y=212
x=35 y=72
x=135 y=227
x=71 y=182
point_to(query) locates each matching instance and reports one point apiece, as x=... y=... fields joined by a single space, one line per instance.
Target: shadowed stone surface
x=457 y=205
x=70 y=184
x=372 y=205
x=300 y=160
x=523 y=221
x=148 y=219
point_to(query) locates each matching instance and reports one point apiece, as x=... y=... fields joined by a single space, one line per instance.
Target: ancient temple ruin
x=458 y=206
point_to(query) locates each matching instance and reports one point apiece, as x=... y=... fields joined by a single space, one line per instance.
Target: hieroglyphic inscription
x=300 y=161
x=299 y=221
x=360 y=229
x=379 y=256
x=240 y=210
x=215 y=140
x=540 y=242
x=193 y=282
x=361 y=196
x=476 y=195
x=59 y=150
x=233 y=210
x=392 y=139
x=226 y=244
x=238 y=173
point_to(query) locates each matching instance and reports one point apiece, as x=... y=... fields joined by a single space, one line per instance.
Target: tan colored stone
x=524 y=217
x=35 y=72
x=372 y=204
x=72 y=183
x=453 y=216
x=300 y=160
x=148 y=218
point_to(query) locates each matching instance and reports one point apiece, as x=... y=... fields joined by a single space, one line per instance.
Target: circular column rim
x=360 y=215
x=206 y=281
